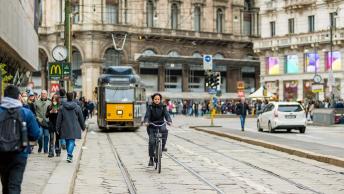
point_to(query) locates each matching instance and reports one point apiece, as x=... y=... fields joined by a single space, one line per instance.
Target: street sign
x=317 y=88
x=66 y=71
x=58 y=70
x=212 y=90
x=208 y=62
x=54 y=87
x=55 y=70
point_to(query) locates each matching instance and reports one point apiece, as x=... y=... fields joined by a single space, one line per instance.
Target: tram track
x=124 y=171
x=189 y=169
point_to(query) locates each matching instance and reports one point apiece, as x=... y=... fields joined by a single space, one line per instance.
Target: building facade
x=165 y=42
x=19 y=50
x=301 y=39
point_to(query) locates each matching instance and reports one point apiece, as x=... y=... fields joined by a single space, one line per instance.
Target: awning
x=260 y=94
x=194 y=60
x=193 y=95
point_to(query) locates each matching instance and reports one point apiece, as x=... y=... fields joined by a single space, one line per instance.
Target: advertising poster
x=333 y=60
x=272 y=65
x=312 y=62
x=292 y=64
x=290 y=90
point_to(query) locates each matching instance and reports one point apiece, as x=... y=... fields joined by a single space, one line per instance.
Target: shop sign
x=54 y=87
x=241 y=94
x=317 y=88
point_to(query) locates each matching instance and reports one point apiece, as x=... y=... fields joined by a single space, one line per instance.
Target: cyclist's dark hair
x=11 y=91
x=156 y=94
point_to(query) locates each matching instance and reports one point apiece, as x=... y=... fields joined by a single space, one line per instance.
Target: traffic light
x=213 y=81
x=218 y=80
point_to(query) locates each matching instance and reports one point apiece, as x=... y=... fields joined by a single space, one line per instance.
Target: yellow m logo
x=55 y=69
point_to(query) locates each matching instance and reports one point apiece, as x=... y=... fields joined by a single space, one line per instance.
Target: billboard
x=273 y=66
x=292 y=64
x=333 y=60
x=312 y=62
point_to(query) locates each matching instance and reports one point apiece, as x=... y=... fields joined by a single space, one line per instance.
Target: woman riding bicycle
x=156 y=113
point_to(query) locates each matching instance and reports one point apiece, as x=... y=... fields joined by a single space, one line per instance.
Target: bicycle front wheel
x=159 y=156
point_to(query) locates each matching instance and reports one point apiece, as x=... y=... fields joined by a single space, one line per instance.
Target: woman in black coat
x=69 y=124
x=156 y=113
x=51 y=114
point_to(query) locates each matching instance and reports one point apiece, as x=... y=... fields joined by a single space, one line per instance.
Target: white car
x=282 y=115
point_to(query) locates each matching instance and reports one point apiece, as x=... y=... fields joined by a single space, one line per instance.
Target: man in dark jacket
x=41 y=107
x=69 y=124
x=156 y=113
x=242 y=109
x=12 y=164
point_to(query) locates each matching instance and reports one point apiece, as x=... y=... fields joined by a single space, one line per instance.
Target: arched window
x=197 y=18
x=76 y=11
x=111 y=13
x=174 y=16
x=76 y=60
x=149 y=52
x=197 y=54
x=173 y=54
x=219 y=20
x=150 y=13
x=112 y=57
x=218 y=56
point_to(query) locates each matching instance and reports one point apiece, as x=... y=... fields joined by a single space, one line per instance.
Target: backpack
x=11 y=138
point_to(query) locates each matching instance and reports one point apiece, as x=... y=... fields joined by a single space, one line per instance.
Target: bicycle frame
x=158 y=146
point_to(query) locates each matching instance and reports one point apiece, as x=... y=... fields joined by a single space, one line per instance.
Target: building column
x=233 y=76
x=281 y=90
x=161 y=77
x=90 y=75
x=300 y=89
x=257 y=78
x=185 y=77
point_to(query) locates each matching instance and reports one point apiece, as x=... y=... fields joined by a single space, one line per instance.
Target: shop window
x=112 y=57
x=307 y=90
x=290 y=90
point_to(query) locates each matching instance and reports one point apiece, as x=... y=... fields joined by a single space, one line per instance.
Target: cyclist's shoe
x=164 y=149
x=150 y=162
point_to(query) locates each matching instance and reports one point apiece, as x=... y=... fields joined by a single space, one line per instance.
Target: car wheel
x=288 y=130
x=271 y=130
x=258 y=126
x=302 y=129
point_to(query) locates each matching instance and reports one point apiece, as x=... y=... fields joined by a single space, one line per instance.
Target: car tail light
x=276 y=114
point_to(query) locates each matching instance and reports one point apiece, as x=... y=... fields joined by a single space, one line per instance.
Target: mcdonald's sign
x=55 y=70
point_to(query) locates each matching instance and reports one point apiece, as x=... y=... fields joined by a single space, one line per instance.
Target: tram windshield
x=119 y=95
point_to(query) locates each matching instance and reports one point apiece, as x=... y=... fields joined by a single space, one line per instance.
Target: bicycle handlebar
x=155 y=125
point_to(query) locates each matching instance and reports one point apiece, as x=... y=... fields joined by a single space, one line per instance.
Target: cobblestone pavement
x=232 y=166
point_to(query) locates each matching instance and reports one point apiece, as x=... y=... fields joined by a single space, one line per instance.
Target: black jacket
x=52 y=116
x=70 y=121
x=242 y=109
x=157 y=114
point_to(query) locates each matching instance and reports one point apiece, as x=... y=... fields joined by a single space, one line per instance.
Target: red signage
x=241 y=94
x=54 y=87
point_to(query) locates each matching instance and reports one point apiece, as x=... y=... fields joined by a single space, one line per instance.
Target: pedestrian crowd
x=28 y=119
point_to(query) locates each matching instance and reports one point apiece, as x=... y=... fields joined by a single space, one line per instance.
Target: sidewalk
x=323 y=153
x=45 y=175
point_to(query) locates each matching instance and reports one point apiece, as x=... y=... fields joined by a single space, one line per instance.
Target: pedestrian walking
x=51 y=114
x=41 y=107
x=14 y=146
x=69 y=124
x=63 y=99
x=241 y=110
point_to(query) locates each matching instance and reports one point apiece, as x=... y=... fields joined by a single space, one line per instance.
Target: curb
x=63 y=178
x=293 y=151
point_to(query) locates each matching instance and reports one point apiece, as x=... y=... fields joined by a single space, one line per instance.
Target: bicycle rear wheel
x=159 y=156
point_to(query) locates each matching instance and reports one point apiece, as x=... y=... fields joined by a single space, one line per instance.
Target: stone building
x=296 y=45
x=19 y=39
x=165 y=43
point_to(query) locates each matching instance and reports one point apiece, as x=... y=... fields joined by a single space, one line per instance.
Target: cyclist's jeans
x=151 y=144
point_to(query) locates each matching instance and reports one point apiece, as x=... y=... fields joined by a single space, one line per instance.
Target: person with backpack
x=18 y=125
x=69 y=124
x=41 y=107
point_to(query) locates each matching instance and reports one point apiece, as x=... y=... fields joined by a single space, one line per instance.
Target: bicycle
x=158 y=146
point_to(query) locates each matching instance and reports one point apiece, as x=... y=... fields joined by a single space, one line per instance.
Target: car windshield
x=289 y=108
x=119 y=95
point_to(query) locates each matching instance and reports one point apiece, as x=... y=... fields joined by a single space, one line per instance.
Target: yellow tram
x=121 y=99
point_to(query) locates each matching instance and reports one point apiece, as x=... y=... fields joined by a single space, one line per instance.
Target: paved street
x=197 y=162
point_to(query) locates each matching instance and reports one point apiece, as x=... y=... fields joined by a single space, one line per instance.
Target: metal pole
x=331 y=60
x=0 y=86
x=67 y=33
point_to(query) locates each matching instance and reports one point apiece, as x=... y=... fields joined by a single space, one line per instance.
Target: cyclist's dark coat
x=157 y=113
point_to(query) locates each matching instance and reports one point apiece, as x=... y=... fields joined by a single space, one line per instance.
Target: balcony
x=292 y=5
x=270 y=6
x=293 y=41
x=157 y=32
